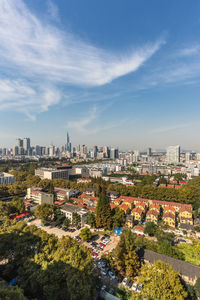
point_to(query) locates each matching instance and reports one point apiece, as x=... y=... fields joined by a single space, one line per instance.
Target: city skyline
x=131 y=80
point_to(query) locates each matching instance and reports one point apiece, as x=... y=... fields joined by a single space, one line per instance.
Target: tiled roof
x=137 y=210
x=152 y=212
x=168 y=215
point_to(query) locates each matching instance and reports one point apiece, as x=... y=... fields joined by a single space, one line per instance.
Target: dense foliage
x=103 y=212
x=126 y=260
x=46 y=268
x=160 y=282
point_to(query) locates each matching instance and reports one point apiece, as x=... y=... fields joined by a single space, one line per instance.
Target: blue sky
x=122 y=73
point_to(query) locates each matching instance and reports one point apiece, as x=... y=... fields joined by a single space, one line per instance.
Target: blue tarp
x=13 y=281
x=118 y=230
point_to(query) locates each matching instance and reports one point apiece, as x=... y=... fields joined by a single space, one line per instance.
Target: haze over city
x=109 y=73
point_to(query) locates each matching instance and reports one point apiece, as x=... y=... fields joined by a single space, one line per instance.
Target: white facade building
x=173 y=155
x=6 y=178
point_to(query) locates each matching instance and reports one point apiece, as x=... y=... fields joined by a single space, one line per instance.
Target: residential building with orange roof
x=141 y=205
x=169 y=219
x=113 y=206
x=155 y=207
x=185 y=215
x=89 y=200
x=152 y=216
x=117 y=201
x=169 y=209
x=129 y=202
x=138 y=229
x=137 y=213
x=125 y=208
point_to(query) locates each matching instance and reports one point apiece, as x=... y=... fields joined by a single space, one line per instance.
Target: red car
x=101 y=244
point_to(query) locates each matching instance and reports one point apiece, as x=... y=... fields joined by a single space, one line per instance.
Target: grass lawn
x=191 y=253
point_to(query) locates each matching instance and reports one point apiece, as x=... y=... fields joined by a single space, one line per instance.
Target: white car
x=139 y=288
x=134 y=287
x=111 y=274
x=124 y=282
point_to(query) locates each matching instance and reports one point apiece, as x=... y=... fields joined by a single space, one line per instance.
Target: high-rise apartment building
x=26 y=144
x=19 y=143
x=114 y=153
x=149 y=151
x=173 y=154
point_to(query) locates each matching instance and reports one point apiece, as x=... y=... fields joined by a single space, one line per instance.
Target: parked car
x=139 y=288
x=124 y=281
x=111 y=274
x=95 y=237
x=101 y=244
x=134 y=287
x=129 y=283
x=105 y=271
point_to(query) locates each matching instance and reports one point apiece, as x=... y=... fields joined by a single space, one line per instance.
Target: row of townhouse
x=151 y=210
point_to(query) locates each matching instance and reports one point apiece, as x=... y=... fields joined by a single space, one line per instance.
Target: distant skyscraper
x=19 y=143
x=26 y=144
x=187 y=156
x=149 y=152
x=95 y=151
x=114 y=153
x=173 y=154
x=68 y=145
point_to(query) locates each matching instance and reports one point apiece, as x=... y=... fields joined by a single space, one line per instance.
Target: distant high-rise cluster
x=23 y=147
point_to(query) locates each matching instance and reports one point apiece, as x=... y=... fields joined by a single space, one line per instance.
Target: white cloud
x=190 y=51
x=85 y=126
x=39 y=57
x=171 y=128
x=53 y=10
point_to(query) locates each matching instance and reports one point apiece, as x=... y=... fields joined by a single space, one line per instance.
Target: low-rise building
x=129 y=221
x=169 y=219
x=125 y=208
x=141 y=205
x=152 y=216
x=64 y=194
x=112 y=195
x=68 y=210
x=6 y=178
x=53 y=173
x=169 y=209
x=139 y=230
x=154 y=207
x=89 y=200
x=137 y=213
x=38 y=196
x=91 y=192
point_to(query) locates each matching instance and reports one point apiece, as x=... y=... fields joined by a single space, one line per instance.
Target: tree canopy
x=161 y=282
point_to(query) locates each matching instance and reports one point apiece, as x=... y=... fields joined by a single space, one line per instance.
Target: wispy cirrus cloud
x=40 y=57
x=171 y=128
x=84 y=124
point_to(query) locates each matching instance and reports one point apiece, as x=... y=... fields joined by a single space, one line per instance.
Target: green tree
x=18 y=203
x=10 y=292
x=103 y=212
x=44 y=212
x=91 y=220
x=197 y=287
x=85 y=234
x=161 y=282
x=119 y=218
x=76 y=219
x=66 y=222
x=150 y=228
x=125 y=257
